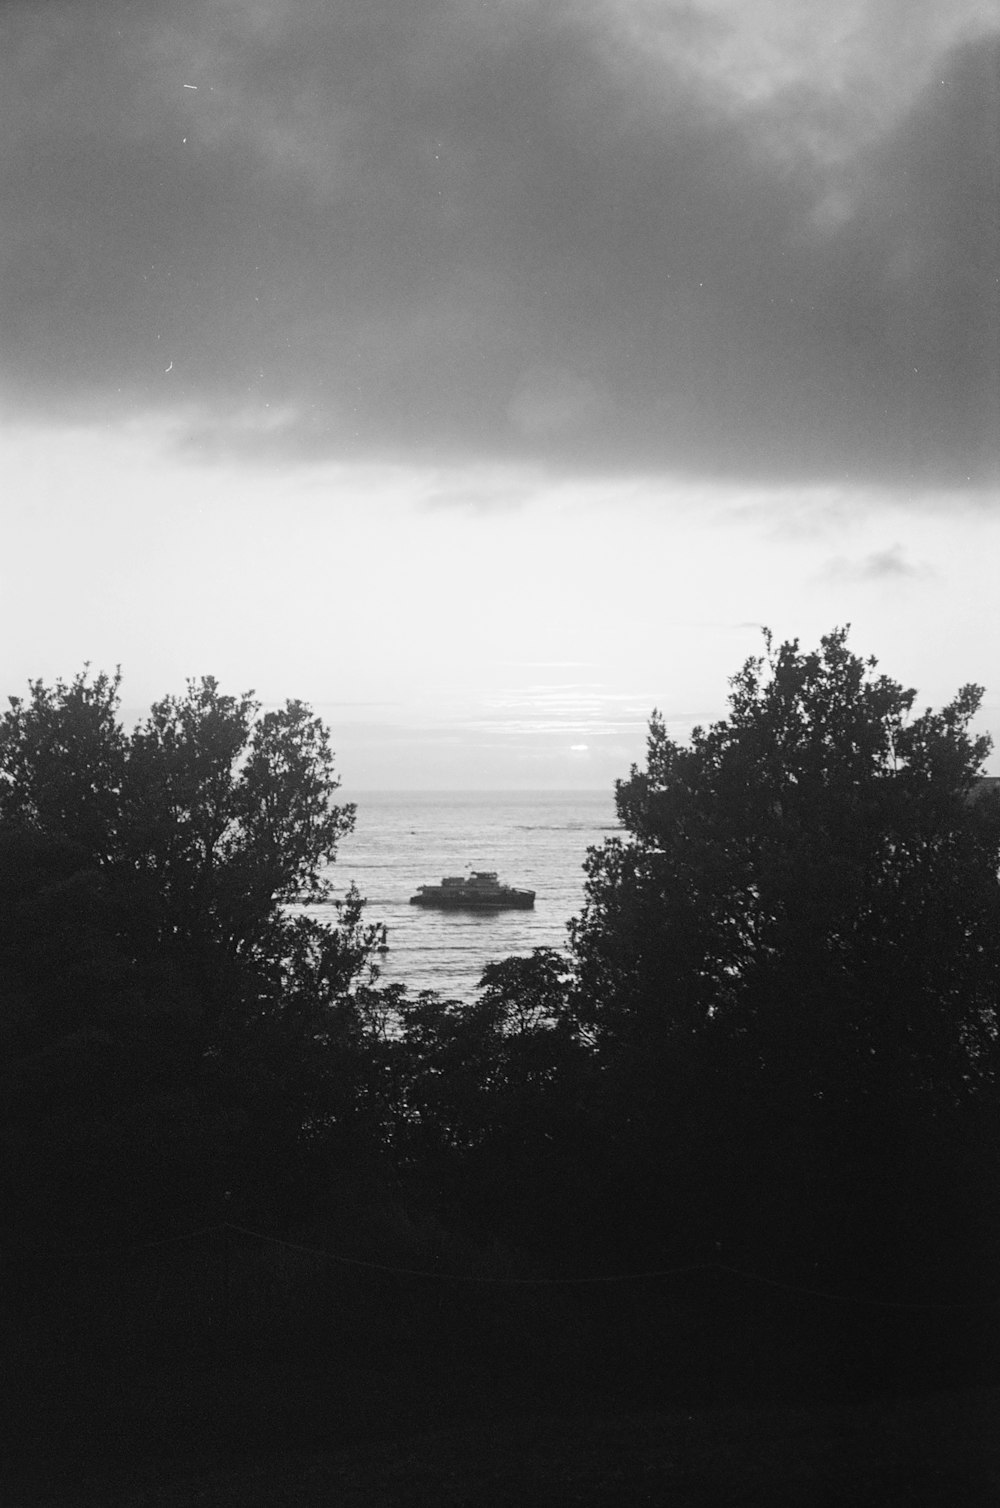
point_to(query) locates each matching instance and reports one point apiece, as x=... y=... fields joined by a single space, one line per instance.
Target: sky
x=487 y=375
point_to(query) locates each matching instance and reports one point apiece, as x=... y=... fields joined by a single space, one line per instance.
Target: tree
x=207 y=822
x=468 y=1072
x=789 y=967
x=227 y=820
x=811 y=873
x=480 y=1097
x=158 y=965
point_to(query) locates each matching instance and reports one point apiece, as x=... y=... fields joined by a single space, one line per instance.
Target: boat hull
x=515 y=900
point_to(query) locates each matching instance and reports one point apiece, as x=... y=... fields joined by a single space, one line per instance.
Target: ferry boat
x=481 y=891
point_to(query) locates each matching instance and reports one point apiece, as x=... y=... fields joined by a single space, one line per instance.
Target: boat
x=479 y=891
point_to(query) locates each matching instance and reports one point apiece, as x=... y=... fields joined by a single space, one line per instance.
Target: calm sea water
x=537 y=840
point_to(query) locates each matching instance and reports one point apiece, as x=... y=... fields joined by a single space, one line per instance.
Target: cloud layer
x=705 y=238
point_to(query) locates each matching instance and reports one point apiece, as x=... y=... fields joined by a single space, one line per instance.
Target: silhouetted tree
x=206 y=821
x=812 y=878
x=157 y=968
x=478 y=1097
x=790 y=971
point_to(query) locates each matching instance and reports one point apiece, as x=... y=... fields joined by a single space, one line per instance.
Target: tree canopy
x=810 y=873
x=204 y=823
x=789 y=968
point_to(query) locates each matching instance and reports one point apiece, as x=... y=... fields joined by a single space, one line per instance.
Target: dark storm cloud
x=516 y=232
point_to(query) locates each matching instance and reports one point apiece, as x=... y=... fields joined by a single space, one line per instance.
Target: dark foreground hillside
x=940 y=1450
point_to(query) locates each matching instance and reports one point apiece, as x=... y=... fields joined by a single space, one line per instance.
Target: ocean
x=533 y=839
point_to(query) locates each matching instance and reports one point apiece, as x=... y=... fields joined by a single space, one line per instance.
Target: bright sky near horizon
x=488 y=375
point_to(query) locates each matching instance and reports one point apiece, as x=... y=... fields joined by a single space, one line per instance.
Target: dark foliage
x=790 y=971
x=171 y=1017
x=741 y=1136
